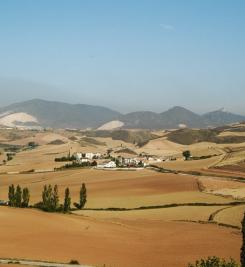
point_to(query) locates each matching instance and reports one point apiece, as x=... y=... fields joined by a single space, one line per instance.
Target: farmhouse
x=110 y=164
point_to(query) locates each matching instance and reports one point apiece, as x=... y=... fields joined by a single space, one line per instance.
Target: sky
x=126 y=55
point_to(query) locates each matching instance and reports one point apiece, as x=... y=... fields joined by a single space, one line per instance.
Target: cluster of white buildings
x=118 y=161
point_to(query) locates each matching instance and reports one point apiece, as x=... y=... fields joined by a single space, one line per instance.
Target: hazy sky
x=128 y=55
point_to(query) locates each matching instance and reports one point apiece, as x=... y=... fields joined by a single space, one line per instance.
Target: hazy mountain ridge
x=221 y=117
x=63 y=115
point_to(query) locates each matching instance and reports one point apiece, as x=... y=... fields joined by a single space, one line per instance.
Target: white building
x=110 y=164
x=84 y=160
x=133 y=161
x=89 y=155
x=78 y=156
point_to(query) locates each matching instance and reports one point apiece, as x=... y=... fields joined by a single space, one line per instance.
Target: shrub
x=214 y=262
x=75 y=262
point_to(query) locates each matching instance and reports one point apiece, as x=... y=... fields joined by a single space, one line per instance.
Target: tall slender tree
x=83 y=196
x=49 y=198
x=55 y=198
x=25 y=197
x=11 y=196
x=243 y=243
x=18 y=196
x=67 y=200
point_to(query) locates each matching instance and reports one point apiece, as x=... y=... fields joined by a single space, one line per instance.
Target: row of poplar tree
x=50 y=198
x=18 y=197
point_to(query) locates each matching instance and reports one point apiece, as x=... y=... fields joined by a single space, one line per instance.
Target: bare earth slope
x=46 y=236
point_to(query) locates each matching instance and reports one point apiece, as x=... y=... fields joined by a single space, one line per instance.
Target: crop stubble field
x=151 y=237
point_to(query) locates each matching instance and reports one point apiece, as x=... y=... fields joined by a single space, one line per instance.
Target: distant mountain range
x=41 y=113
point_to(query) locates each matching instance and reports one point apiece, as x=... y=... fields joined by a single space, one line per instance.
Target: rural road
x=39 y=263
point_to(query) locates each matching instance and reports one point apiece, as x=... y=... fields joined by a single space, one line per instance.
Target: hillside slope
x=63 y=115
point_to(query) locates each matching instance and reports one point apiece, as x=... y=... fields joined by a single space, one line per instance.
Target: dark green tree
x=141 y=164
x=83 y=196
x=25 y=197
x=11 y=196
x=243 y=243
x=187 y=154
x=55 y=198
x=67 y=201
x=50 y=198
x=44 y=196
x=18 y=196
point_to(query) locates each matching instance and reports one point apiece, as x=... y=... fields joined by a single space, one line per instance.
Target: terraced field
x=232 y=216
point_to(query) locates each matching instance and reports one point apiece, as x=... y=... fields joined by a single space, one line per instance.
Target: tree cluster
x=18 y=197
x=50 y=199
x=64 y=158
x=75 y=164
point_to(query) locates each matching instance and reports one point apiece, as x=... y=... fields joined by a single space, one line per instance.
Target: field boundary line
x=166 y=206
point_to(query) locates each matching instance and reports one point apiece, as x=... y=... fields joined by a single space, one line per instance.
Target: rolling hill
x=36 y=112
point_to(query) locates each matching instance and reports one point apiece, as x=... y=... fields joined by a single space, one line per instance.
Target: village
x=115 y=159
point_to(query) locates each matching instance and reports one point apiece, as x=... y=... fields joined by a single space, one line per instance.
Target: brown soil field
x=190 y=165
x=126 y=189
x=186 y=213
x=232 y=216
x=224 y=187
x=57 y=237
x=205 y=149
x=39 y=138
x=223 y=172
x=236 y=168
x=161 y=147
x=40 y=158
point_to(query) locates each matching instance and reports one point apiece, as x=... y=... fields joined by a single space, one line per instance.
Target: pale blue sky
x=128 y=55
